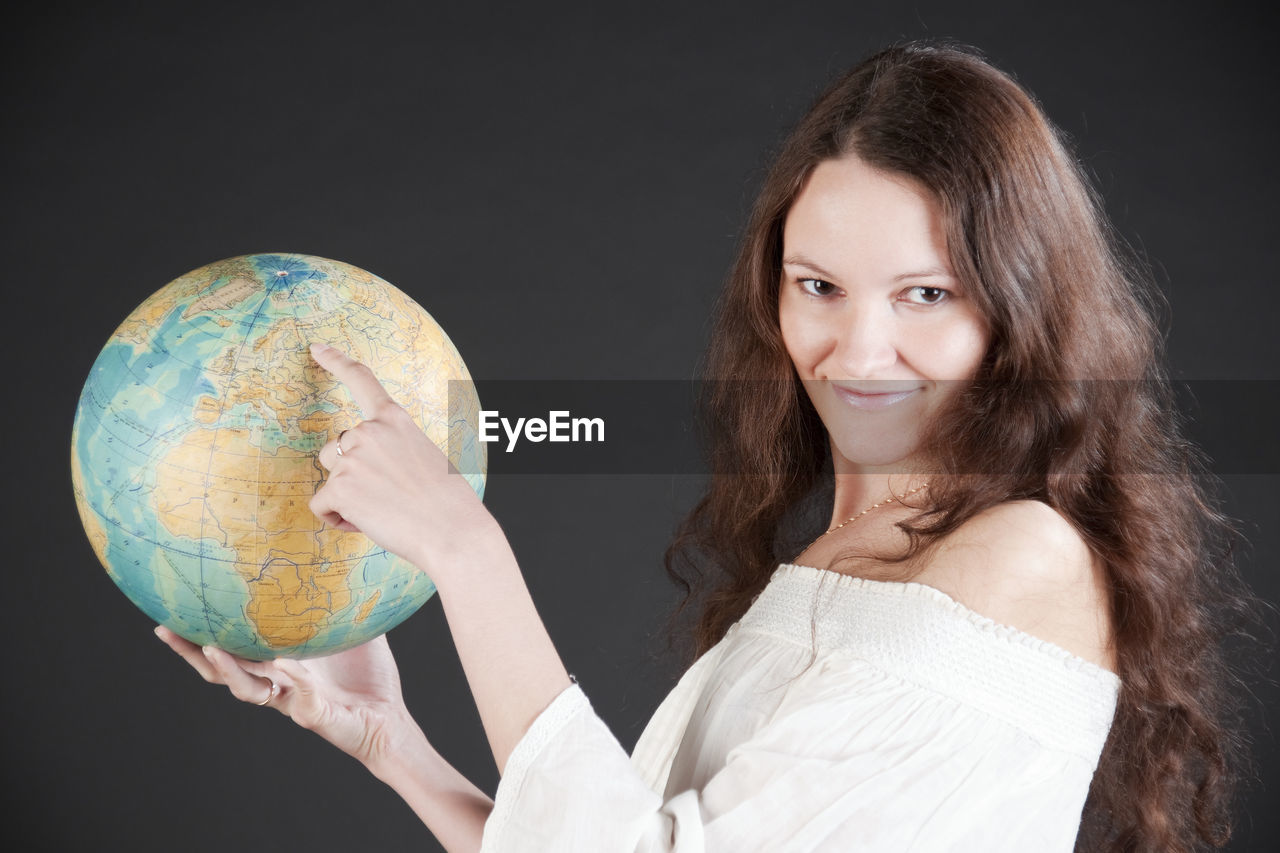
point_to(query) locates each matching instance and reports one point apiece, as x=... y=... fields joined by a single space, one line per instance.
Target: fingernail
x=208 y=651
x=319 y=347
x=156 y=631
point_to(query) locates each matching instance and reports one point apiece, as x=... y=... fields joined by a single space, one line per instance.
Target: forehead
x=848 y=212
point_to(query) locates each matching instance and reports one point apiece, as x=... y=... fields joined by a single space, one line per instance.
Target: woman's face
x=869 y=303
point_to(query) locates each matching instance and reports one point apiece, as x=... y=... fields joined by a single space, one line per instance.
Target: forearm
x=511 y=665
x=453 y=808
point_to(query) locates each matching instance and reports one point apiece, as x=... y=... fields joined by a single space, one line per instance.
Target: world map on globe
x=194 y=452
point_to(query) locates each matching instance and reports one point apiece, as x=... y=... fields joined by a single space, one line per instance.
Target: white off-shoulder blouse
x=920 y=726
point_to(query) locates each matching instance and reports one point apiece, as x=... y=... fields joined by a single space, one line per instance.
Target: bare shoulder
x=1023 y=564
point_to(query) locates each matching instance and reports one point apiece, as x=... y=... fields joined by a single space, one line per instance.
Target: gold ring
x=339 y=441
x=275 y=688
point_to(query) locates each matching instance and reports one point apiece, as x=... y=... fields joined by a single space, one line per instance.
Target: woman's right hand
x=352 y=699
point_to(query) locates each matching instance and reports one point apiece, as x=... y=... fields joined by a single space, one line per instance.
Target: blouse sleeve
x=929 y=774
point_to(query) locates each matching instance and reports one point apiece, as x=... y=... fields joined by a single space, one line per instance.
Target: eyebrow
x=799 y=260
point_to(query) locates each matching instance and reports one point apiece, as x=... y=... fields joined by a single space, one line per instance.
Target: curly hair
x=1071 y=406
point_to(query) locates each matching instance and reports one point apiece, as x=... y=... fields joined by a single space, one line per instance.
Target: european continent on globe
x=193 y=452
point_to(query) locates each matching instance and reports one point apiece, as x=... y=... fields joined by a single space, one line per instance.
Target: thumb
x=305 y=705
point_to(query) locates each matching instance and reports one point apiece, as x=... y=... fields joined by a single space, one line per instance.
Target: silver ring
x=339 y=441
x=275 y=688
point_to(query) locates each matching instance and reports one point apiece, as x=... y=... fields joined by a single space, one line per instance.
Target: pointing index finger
x=365 y=388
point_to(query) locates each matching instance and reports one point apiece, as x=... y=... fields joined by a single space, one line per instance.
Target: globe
x=195 y=441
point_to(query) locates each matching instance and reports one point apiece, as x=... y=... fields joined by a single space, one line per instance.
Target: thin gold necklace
x=888 y=500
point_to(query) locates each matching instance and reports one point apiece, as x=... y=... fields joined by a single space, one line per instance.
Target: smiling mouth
x=872 y=402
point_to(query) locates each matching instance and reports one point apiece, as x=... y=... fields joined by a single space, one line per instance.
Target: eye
x=933 y=295
x=816 y=286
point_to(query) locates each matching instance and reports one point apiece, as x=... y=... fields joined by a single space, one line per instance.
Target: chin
x=874 y=439
x=875 y=455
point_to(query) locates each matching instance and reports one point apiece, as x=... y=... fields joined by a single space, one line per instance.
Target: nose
x=865 y=345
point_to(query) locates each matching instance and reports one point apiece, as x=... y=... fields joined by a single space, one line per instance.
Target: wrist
x=450 y=805
x=476 y=541
x=403 y=746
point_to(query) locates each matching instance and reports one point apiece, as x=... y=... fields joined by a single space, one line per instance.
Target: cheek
x=800 y=336
x=788 y=325
x=957 y=349
x=800 y=349
x=974 y=346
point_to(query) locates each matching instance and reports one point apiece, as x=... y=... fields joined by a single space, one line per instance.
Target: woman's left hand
x=392 y=482
x=352 y=699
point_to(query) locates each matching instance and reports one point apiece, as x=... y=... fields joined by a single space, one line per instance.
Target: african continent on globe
x=193 y=452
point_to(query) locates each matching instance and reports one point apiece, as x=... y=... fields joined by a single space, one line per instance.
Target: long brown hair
x=1071 y=406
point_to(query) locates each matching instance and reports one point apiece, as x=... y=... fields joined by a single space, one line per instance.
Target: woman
x=1001 y=620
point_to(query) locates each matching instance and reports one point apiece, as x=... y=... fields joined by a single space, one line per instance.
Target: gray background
x=562 y=188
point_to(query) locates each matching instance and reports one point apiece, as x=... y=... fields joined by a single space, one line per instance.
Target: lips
x=871 y=402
